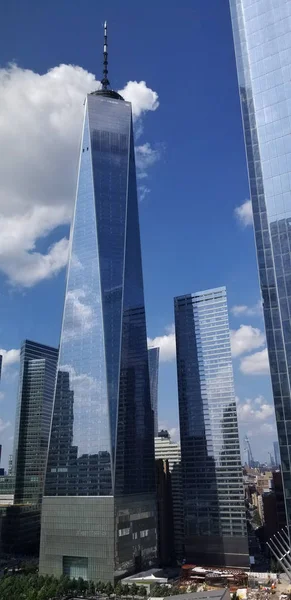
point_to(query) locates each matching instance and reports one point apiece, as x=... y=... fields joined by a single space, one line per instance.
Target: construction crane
x=248 y=455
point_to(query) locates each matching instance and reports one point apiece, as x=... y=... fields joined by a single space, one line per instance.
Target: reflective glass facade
x=154 y=354
x=215 y=521
x=102 y=437
x=38 y=364
x=262 y=36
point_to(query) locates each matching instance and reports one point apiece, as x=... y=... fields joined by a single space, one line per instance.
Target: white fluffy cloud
x=40 y=125
x=4 y=425
x=79 y=314
x=143 y=191
x=267 y=429
x=166 y=343
x=141 y=97
x=145 y=157
x=244 y=213
x=256 y=409
x=10 y=357
x=255 y=364
x=245 y=339
x=249 y=311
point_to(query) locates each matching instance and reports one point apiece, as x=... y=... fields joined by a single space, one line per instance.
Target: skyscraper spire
x=105 y=81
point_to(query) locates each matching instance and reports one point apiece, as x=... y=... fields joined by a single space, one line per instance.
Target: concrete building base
x=97 y=538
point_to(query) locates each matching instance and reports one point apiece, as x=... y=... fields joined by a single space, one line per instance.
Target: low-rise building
x=219 y=594
x=149 y=579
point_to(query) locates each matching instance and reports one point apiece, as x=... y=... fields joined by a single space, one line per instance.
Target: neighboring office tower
x=215 y=519
x=99 y=509
x=262 y=37
x=154 y=381
x=37 y=377
x=167 y=450
x=38 y=364
x=166 y=551
x=280 y=504
x=277 y=454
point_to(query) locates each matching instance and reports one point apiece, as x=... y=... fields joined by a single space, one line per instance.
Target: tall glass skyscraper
x=214 y=512
x=99 y=512
x=38 y=365
x=154 y=354
x=262 y=37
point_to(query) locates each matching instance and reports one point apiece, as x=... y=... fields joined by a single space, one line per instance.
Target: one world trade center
x=98 y=515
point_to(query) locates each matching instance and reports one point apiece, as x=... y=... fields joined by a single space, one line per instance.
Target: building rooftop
x=151 y=574
x=218 y=594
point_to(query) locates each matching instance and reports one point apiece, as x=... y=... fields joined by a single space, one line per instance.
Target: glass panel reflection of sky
x=80 y=437
x=102 y=432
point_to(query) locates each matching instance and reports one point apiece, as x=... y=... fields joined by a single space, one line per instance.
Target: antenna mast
x=105 y=81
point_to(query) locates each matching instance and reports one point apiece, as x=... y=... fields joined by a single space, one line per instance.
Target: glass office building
x=154 y=354
x=99 y=512
x=38 y=364
x=214 y=511
x=262 y=37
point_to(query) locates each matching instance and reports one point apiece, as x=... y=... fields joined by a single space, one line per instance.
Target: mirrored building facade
x=38 y=365
x=99 y=516
x=37 y=376
x=214 y=512
x=154 y=354
x=262 y=38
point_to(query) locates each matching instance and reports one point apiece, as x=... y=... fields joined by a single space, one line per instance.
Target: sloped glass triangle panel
x=135 y=440
x=79 y=462
x=109 y=122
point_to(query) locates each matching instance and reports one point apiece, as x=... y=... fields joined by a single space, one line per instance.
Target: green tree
x=32 y=594
x=157 y=591
x=142 y=591
x=91 y=587
x=42 y=594
x=125 y=589
x=100 y=586
x=80 y=585
x=118 y=589
x=108 y=589
x=52 y=589
x=134 y=589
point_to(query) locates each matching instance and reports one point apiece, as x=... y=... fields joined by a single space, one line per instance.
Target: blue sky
x=192 y=178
